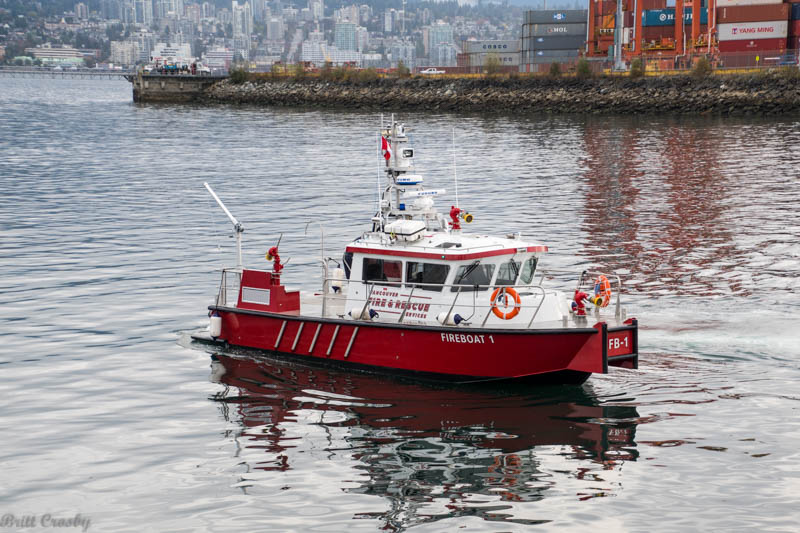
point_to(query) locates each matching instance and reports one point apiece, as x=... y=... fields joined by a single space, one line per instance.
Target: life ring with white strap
x=503 y=293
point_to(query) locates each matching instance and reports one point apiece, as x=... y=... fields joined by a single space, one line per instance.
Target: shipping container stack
x=603 y=23
x=605 y=15
x=793 y=43
x=552 y=36
x=658 y=27
x=752 y=26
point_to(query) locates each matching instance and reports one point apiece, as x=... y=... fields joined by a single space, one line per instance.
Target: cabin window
x=380 y=270
x=528 y=270
x=507 y=273
x=426 y=273
x=474 y=274
x=347 y=263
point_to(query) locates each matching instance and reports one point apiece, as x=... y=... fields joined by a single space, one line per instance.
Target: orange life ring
x=517 y=303
x=602 y=290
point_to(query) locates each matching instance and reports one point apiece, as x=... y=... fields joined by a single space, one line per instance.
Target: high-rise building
x=128 y=11
x=404 y=51
x=143 y=11
x=319 y=53
x=317 y=8
x=276 y=30
x=362 y=39
x=364 y=13
x=209 y=10
x=146 y=41
x=261 y=10
x=388 y=20
x=194 y=13
x=242 y=19
x=347 y=14
x=82 y=11
x=163 y=8
x=242 y=16
x=344 y=36
x=444 y=55
x=290 y=13
x=111 y=9
x=439 y=33
x=125 y=53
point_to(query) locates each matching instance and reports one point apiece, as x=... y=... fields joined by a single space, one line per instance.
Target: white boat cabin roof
x=444 y=246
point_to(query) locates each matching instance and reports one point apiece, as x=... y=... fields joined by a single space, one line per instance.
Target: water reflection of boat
x=416 y=443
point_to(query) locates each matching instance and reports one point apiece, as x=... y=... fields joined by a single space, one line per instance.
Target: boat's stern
x=612 y=346
x=621 y=344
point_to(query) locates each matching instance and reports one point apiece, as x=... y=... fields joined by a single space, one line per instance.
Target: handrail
x=544 y=295
x=366 y=302
x=403 y=314
x=452 y=306
x=497 y=246
x=222 y=293
x=618 y=306
x=221 y=299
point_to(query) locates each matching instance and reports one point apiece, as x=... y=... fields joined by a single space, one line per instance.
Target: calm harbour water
x=109 y=245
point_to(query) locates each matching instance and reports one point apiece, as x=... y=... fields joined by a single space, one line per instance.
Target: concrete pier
x=172 y=88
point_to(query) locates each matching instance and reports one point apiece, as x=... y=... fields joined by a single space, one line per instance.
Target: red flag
x=386 y=148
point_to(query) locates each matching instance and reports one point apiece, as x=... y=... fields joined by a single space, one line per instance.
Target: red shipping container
x=605 y=22
x=655 y=4
x=756 y=45
x=760 y=13
x=606 y=8
x=628 y=18
x=655 y=33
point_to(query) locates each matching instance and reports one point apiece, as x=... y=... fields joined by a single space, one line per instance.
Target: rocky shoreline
x=768 y=94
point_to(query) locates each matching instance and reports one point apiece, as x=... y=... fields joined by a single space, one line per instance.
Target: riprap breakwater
x=773 y=94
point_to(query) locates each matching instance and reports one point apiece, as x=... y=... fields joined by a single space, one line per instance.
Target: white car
x=431 y=70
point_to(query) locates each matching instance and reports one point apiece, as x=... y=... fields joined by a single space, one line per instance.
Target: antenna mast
x=455 y=172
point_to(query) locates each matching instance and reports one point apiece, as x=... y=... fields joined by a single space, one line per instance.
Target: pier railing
x=69 y=72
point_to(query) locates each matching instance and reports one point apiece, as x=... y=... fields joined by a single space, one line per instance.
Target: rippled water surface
x=109 y=245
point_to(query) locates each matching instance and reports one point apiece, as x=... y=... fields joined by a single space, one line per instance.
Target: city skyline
x=260 y=32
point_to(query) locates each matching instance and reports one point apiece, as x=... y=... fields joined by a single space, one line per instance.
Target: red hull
x=436 y=352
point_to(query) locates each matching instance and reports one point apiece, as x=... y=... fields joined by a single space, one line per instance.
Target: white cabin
x=417 y=267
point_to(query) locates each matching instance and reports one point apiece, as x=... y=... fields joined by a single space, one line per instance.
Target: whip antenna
x=455 y=172
x=379 y=215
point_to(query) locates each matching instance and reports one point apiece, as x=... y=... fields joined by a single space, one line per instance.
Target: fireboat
x=415 y=296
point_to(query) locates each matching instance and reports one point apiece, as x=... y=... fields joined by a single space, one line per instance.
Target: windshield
x=507 y=273
x=528 y=271
x=468 y=276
